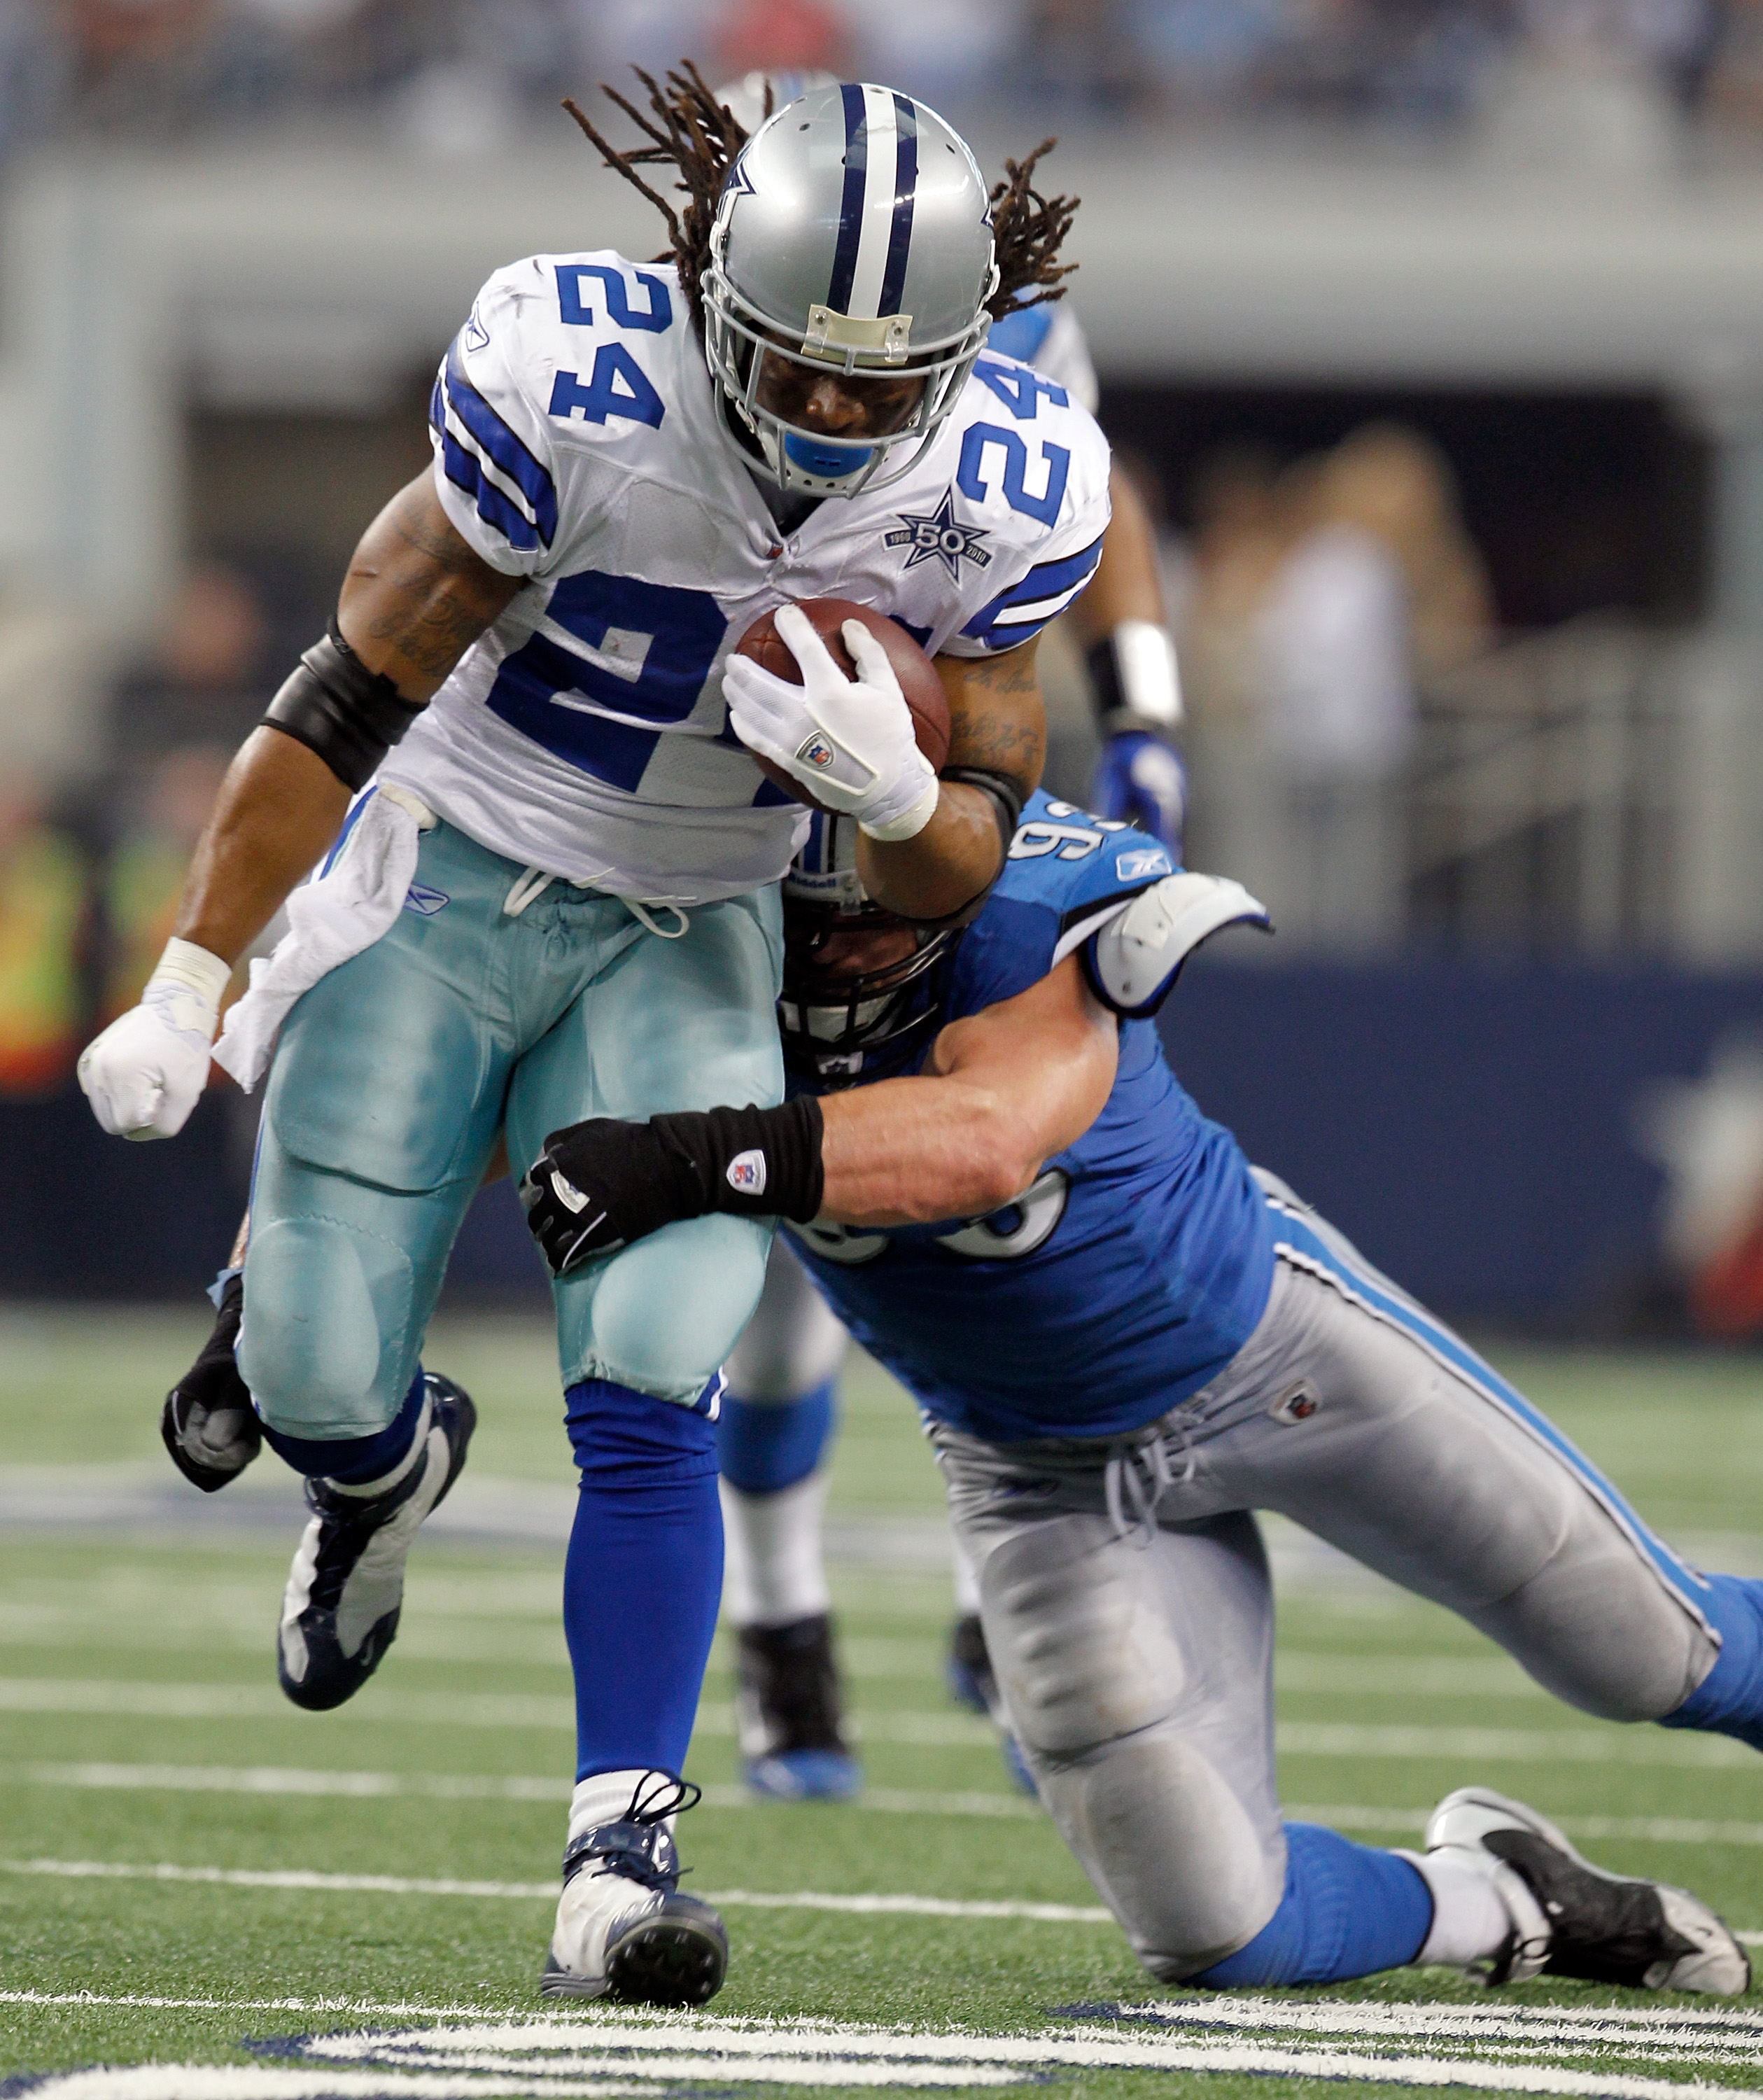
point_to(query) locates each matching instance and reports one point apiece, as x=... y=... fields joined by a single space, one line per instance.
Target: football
x=918 y=675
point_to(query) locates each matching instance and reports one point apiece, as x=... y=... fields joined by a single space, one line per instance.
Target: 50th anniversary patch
x=1624 y=2053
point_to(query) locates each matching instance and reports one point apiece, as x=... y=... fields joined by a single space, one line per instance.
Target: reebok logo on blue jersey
x=1143 y=861
x=423 y=901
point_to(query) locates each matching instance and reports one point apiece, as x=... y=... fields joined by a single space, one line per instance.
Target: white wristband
x=1150 y=684
x=910 y=822
x=187 y=984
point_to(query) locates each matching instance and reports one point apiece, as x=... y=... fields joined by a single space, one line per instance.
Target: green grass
x=171 y=1614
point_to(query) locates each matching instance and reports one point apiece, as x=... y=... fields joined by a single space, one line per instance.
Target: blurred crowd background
x=1628 y=72
x=1469 y=637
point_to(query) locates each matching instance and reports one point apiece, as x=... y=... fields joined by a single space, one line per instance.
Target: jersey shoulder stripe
x=1022 y=610
x=494 y=437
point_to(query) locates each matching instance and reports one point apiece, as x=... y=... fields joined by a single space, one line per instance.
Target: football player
x=1124 y=1341
x=774 y=1434
x=554 y=891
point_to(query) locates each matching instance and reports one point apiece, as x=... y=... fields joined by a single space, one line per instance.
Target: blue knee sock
x=352 y=1459
x=1728 y=1700
x=761 y=1450
x=1347 y=1911
x=643 y=1576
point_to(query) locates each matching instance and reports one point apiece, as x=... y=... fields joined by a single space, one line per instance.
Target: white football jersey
x=580 y=442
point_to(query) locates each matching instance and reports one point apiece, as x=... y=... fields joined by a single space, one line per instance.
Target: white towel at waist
x=351 y=903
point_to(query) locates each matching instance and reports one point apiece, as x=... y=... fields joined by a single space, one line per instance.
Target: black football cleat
x=787 y=1716
x=339 y=1613
x=208 y=1422
x=1570 y=1918
x=623 y=1930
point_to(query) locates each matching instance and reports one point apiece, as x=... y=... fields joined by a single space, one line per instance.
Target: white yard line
x=395 y=1884
x=105 y=1776
x=448 y=1786
x=619 y=2055
x=1312 y=1739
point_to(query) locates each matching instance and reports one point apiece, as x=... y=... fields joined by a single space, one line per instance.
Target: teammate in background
x=1124 y=1341
x=774 y=1435
x=556 y=894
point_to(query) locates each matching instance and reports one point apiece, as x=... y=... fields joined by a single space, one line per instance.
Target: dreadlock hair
x=1027 y=229
x=689 y=130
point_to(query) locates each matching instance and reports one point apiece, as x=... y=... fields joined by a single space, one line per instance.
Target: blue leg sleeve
x=762 y=1449
x=352 y=1459
x=1347 y=1911
x=643 y=1576
x=1728 y=1700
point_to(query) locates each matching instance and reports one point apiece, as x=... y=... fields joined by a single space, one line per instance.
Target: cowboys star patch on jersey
x=580 y=443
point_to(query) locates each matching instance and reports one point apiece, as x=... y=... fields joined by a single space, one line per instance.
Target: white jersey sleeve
x=494 y=467
x=1033 y=468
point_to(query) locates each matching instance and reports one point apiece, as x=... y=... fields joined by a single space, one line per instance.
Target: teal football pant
x=391 y=1078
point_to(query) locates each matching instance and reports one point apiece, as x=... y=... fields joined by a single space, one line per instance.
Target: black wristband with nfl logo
x=755 y=1162
x=602 y=1185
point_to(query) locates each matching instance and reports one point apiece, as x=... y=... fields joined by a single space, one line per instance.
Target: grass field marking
x=1498 y=2018
x=447 y=1786
x=828 y=2054
x=1312 y=1739
x=1618 y=1745
x=209 y=1701
x=396 y=1885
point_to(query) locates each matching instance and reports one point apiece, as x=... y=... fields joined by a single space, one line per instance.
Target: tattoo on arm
x=416 y=595
x=997 y=721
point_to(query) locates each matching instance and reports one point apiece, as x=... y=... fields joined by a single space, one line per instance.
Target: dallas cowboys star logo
x=937 y=537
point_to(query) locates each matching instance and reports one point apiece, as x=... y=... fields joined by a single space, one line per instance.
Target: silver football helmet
x=854 y=232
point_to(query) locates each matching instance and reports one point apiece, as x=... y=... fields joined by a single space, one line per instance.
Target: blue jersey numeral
x=970 y=476
x=600 y=397
x=578 y=314
x=653 y=646
x=1019 y=389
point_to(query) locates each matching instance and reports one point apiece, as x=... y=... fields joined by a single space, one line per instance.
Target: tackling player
x=1126 y=1341
x=555 y=895
x=774 y=1434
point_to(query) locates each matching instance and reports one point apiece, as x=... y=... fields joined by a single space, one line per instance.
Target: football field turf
x=196 y=1876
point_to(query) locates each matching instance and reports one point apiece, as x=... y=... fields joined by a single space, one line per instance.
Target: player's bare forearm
x=416 y=596
x=1127 y=584
x=997 y=724
x=1006 y=1088
x=280 y=807
x=414 y=599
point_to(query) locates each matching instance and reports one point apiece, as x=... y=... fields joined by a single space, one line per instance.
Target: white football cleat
x=623 y=1931
x=1570 y=1918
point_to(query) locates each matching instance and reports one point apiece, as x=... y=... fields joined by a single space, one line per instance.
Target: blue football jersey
x=1141 y=1258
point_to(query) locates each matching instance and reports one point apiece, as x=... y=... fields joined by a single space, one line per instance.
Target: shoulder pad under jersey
x=1134 y=956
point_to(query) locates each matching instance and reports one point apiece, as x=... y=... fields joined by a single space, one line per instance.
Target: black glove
x=599 y=1185
x=208 y=1422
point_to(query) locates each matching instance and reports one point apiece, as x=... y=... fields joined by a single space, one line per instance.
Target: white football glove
x=146 y=1073
x=850 y=740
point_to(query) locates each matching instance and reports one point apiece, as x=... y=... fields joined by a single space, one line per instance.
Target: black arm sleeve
x=333 y=704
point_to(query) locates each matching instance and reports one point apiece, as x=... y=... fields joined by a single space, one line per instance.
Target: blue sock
x=643 y=1576
x=352 y=1459
x=1728 y=1700
x=763 y=1450
x=1347 y=1911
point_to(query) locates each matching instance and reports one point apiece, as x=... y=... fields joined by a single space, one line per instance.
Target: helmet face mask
x=853 y=236
x=837 y=1021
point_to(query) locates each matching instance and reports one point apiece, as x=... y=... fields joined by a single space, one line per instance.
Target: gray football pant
x=1127 y=1607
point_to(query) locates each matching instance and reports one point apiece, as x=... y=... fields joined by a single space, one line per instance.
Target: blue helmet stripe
x=850 y=204
x=905 y=190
